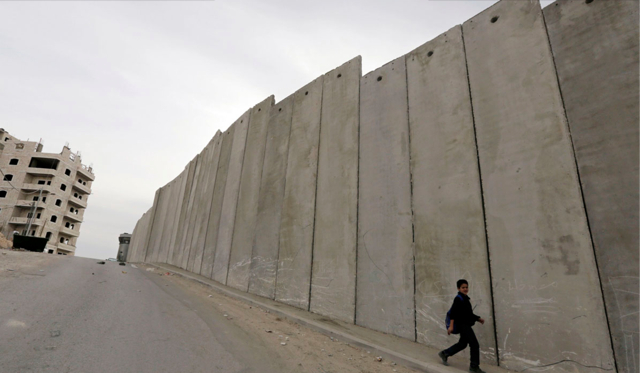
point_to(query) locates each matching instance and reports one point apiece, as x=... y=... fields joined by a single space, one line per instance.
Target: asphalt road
x=74 y=315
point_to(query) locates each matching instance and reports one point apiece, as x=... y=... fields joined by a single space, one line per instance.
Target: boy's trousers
x=467 y=337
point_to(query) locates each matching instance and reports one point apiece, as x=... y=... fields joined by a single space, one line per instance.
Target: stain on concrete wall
x=364 y=199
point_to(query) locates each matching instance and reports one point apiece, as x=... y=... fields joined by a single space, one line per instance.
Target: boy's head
x=463 y=286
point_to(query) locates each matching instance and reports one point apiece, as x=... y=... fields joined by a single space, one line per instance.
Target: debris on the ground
x=283 y=344
x=124 y=271
x=151 y=269
x=100 y=262
x=210 y=295
x=54 y=333
x=269 y=331
x=378 y=358
x=121 y=263
x=133 y=266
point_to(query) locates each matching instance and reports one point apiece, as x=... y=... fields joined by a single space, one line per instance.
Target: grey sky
x=141 y=87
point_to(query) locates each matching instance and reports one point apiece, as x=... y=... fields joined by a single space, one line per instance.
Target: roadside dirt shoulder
x=20 y=263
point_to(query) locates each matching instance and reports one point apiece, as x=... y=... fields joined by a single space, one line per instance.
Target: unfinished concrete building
x=42 y=194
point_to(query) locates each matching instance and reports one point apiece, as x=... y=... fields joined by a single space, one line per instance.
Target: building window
x=19 y=146
x=67 y=172
x=61 y=239
x=44 y=199
x=49 y=182
x=80 y=181
x=38 y=216
x=13 y=162
x=8 y=177
x=35 y=199
x=75 y=195
x=41 y=182
x=80 y=197
x=29 y=215
x=84 y=183
x=58 y=202
x=33 y=232
x=6 y=139
x=3 y=193
x=54 y=218
x=63 y=187
x=73 y=226
x=48 y=236
x=67 y=225
x=50 y=251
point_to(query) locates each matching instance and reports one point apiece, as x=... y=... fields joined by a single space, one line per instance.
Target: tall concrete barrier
x=247 y=209
x=385 y=292
x=178 y=248
x=216 y=203
x=175 y=212
x=333 y=277
x=155 y=237
x=595 y=46
x=230 y=202
x=264 y=258
x=210 y=166
x=207 y=254
x=450 y=241
x=548 y=304
x=190 y=242
x=167 y=230
x=298 y=206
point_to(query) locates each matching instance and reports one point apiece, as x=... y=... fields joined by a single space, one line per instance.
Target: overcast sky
x=140 y=87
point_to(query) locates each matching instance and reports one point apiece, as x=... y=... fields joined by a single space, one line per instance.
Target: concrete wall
x=595 y=47
x=504 y=151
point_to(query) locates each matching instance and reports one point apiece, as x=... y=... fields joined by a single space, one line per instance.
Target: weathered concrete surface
x=207 y=254
x=333 y=277
x=450 y=241
x=230 y=202
x=198 y=190
x=385 y=227
x=177 y=212
x=548 y=304
x=298 y=207
x=167 y=230
x=158 y=225
x=178 y=248
x=264 y=258
x=595 y=47
x=216 y=203
x=247 y=209
x=207 y=183
x=185 y=243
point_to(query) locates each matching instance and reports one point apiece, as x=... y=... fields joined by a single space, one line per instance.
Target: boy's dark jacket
x=462 y=313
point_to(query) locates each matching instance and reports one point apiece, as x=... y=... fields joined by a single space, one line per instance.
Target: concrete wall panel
x=177 y=212
x=262 y=279
x=178 y=250
x=230 y=203
x=298 y=207
x=385 y=228
x=158 y=225
x=548 y=304
x=190 y=242
x=207 y=184
x=167 y=230
x=216 y=203
x=334 y=248
x=207 y=254
x=247 y=209
x=449 y=228
x=595 y=47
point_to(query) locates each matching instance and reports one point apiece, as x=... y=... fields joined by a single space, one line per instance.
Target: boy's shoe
x=443 y=356
x=476 y=370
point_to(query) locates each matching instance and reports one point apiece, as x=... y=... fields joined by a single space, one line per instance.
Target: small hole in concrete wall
x=280 y=109
x=339 y=75
x=494 y=19
x=430 y=54
x=379 y=78
x=306 y=93
x=242 y=121
x=588 y=1
x=259 y=109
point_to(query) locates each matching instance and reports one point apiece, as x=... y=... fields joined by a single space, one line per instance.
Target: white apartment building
x=42 y=194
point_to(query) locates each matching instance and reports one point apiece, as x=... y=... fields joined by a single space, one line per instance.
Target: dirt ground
x=19 y=263
x=307 y=351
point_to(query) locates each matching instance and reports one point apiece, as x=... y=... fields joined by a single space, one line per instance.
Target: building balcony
x=65 y=247
x=34 y=187
x=87 y=172
x=24 y=221
x=73 y=217
x=78 y=202
x=83 y=188
x=69 y=232
x=41 y=171
x=29 y=204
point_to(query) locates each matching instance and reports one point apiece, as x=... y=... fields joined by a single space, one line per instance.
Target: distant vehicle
x=112 y=260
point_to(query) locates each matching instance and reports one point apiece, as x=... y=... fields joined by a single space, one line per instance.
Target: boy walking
x=463 y=318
